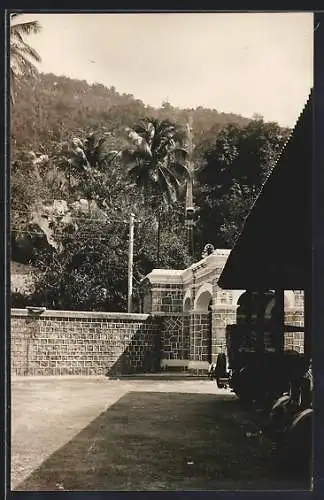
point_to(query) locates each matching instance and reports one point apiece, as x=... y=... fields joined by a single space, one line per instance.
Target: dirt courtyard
x=92 y=433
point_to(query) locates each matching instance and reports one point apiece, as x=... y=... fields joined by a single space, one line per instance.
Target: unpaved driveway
x=91 y=433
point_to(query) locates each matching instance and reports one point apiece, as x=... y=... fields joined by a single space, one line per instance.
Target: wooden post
x=130 y=262
x=280 y=318
x=307 y=326
x=158 y=237
x=260 y=323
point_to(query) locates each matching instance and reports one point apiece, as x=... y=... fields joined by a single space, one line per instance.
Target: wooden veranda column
x=259 y=327
x=280 y=319
x=307 y=326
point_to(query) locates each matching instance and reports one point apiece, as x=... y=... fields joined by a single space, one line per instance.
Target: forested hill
x=52 y=107
x=77 y=159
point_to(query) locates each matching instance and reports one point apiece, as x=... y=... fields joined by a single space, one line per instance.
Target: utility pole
x=190 y=208
x=158 y=237
x=130 y=261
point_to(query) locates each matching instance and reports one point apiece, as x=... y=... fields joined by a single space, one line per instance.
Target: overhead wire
x=81 y=218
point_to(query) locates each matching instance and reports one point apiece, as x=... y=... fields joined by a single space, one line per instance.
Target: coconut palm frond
x=154 y=161
x=113 y=155
x=143 y=132
x=168 y=189
x=22 y=56
x=164 y=143
x=180 y=170
x=136 y=138
x=141 y=177
x=182 y=153
x=100 y=144
x=127 y=157
x=146 y=150
x=25 y=28
x=178 y=182
x=143 y=154
x=24 y=50
x=90 y=141
x=22 y=66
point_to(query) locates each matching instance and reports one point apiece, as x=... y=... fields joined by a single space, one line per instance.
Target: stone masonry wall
x=186 y=336
x=295 y=340
x=83 y=343
x=166 y=298
x=172 y=341
x=181 y=298
x=166 y=306
x=222 y=316
x=200 y=349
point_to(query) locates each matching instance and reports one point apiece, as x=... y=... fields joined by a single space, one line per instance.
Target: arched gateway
x=193 y=312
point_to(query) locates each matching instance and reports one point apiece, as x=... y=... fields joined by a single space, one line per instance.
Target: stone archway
x=203 y=298
x=201 y=330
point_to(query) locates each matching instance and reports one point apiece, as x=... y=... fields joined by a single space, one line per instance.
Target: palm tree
x=91 y=154
x=157 y=162
x=90 y=164
x=22 y=55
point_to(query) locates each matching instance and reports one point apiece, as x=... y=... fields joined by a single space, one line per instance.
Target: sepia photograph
x=160 y=208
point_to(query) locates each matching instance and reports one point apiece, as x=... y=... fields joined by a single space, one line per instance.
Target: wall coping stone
x=205 y=266
x=164 y=276
x=180 y=276
x=158 y=314
x=80 y=315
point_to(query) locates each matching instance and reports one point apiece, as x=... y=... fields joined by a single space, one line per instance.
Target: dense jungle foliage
x=85 y=156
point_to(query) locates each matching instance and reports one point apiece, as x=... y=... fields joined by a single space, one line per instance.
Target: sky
x=243 y=63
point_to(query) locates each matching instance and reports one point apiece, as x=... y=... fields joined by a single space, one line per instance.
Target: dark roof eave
x=278 y=226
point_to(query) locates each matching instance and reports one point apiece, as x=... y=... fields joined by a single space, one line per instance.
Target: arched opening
x=203 y=299
x=203 y=323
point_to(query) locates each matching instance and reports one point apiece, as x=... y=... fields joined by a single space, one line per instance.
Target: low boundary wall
x=83 y=343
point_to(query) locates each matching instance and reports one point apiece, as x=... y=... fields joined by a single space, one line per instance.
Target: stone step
x=165 y=375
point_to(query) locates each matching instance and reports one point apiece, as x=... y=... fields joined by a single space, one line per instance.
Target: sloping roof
x=274 y=247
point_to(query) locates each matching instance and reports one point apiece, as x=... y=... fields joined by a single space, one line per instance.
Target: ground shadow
x=164 y=441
